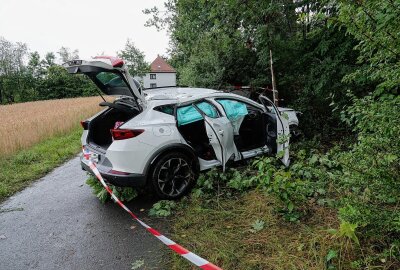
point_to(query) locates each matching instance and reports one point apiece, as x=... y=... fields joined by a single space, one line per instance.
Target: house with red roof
x=161 y=74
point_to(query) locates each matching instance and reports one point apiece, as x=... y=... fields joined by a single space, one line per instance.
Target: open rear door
x=220 y=133
x=282 y=129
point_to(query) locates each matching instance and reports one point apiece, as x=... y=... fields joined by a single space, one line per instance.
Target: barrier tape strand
x=190 y=256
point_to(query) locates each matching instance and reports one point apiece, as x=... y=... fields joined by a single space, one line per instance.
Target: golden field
x=24 y=124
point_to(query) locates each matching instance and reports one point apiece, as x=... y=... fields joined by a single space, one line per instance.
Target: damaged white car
x=165 y=137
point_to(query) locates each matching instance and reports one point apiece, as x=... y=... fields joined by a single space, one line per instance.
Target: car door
x=219 y=131
x=282 y=128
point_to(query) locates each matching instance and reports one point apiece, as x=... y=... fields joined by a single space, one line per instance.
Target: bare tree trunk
x=308 y=18
x=1 y=92
x=274 y=90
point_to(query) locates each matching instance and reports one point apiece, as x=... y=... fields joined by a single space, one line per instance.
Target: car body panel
x=291 y=116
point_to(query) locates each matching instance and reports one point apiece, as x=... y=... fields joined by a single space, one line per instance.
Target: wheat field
x=25 y=124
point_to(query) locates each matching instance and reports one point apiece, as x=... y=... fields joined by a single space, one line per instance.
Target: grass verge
x=245 y=232
x=19 y=170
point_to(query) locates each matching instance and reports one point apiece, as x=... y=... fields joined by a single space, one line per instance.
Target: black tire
x=173 y=175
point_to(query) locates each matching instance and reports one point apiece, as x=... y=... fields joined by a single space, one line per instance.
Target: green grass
x=222 y=230
x=19 y=170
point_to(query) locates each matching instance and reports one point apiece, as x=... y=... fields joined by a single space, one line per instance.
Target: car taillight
x=85 y=125
x=123 y=134
x=118 y=172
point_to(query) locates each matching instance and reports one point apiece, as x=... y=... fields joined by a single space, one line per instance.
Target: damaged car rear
x=164 y=137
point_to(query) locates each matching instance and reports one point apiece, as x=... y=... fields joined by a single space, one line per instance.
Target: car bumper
x=121 y=180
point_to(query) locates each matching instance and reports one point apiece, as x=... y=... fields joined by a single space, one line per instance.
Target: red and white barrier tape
x=191 y=257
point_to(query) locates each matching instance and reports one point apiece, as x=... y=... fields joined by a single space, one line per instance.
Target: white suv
x=165 y=137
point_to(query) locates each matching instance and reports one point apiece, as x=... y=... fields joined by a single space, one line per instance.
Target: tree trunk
x=274 y=90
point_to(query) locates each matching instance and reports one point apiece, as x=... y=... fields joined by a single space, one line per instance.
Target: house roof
x=160 y=65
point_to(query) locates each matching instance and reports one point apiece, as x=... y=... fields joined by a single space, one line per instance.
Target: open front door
x=218 y=128
x=220 y=133
x=282 y=129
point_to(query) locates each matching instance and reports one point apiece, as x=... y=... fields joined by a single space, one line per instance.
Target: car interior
x=196 y=136
x=252 y=133
x=256 y=130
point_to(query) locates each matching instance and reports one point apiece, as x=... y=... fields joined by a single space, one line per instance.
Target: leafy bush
x=125 y=194
x=162 y=208
x=215 y=181
x=305 y=180
x=369 y=182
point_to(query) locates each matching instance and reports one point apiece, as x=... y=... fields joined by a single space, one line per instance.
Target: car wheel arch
x=176 y=147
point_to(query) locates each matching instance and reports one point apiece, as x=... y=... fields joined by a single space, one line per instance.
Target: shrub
x=123 y=193
x=162 y=208
x=369 y=182
x=306 y=179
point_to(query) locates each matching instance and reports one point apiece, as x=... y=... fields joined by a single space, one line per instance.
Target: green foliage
x=98 y=189
x=369 y=181
x=215 y=44
x=257 y=226
x=306 y=179
x=125 y=194
x=135 y=59
x=59 y=84
x=332 y=254
x=337 y=62
x=376 y=26
x=162 y=208
x=12 y=70
x=217 y=182
x=346 y=230
x=37 y=79
x=362 y=181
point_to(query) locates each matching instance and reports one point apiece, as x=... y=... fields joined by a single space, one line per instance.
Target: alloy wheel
x=174 y=176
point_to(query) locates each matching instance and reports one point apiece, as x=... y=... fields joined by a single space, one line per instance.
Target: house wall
x=162 y=79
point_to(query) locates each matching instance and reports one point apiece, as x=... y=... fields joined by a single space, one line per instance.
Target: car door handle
x=221 y=132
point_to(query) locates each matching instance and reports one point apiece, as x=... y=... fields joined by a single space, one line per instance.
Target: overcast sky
x=91 y=26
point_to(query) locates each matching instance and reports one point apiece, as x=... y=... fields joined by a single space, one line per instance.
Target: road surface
x=57 y=223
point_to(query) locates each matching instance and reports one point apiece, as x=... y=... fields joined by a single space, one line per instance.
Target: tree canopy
x=134 y=59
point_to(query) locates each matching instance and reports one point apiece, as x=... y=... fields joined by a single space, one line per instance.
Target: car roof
x=178 y=94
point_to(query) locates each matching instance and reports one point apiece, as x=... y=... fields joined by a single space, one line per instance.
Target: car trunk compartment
x=99 y=128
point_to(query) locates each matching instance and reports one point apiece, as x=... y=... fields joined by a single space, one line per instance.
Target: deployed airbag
x=189 y=114
x=233 y=109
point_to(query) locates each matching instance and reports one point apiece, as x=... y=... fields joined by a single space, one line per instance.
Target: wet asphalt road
x=57 y=223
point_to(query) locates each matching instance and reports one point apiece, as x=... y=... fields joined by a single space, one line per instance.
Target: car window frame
x=192 y=102
x=219 y=115
x=262 y=110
